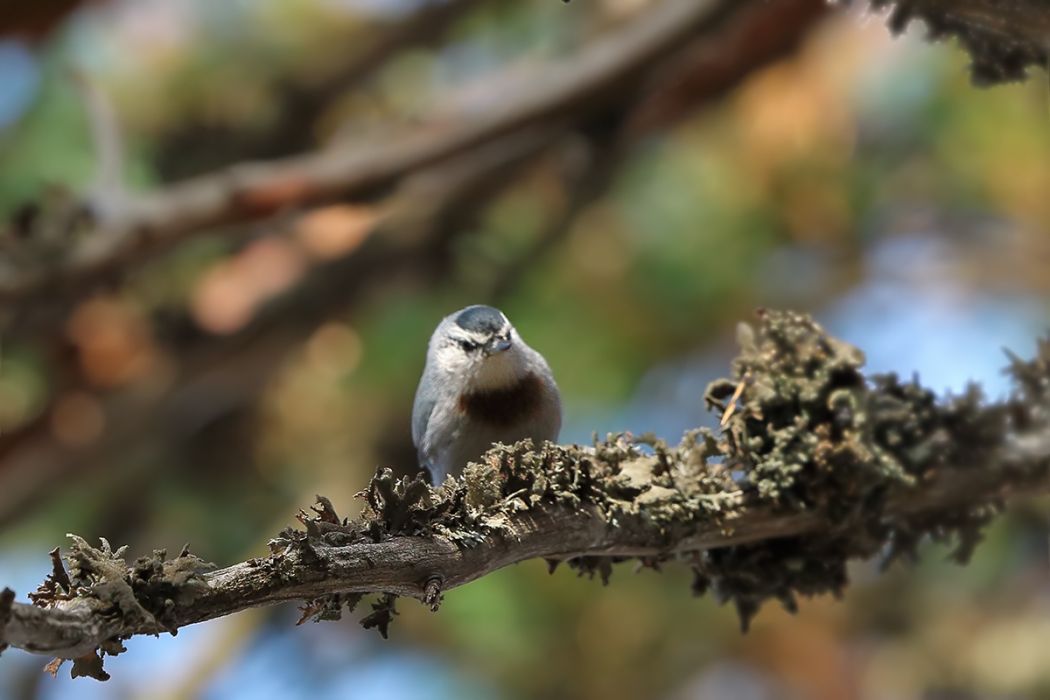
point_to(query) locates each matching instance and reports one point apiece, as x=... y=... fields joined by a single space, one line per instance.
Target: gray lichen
x=141 y=594
x=811 y=433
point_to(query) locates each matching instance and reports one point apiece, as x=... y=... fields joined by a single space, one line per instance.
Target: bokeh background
x=825 y=166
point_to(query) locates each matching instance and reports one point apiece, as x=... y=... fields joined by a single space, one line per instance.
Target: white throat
x=499 y=371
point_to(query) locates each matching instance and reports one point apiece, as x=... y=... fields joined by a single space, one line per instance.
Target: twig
x=731 y=407
x=107 y=191
x=302 y=102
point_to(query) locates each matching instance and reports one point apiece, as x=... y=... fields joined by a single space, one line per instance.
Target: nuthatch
x=481 y=384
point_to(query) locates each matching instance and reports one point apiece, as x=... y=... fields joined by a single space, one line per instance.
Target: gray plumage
x=481 y=384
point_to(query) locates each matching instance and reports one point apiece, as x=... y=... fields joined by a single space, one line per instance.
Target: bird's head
x=479 y=345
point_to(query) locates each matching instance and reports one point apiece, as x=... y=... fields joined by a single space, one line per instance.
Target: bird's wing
x=421 y=412
x=420 y=417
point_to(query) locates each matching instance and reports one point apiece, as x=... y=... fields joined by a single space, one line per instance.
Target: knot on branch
x=432 y=593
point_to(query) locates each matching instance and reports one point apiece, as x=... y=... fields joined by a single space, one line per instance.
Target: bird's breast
x=506 y=406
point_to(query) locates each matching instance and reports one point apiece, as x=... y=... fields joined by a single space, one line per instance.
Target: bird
x=481 y=384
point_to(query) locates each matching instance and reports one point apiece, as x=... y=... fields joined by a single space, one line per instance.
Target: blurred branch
x=107 y=191
x=593 y=164
x=707 y=70
x=699 y=75
x=834 y=466
x=303 y=101
x=35 y=20
x=571 y=89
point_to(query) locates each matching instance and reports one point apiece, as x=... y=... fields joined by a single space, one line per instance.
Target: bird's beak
x=497 y=345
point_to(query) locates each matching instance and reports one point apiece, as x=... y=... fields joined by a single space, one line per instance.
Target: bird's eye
x=468 y=345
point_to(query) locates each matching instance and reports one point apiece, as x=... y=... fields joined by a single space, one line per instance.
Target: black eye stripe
x=469 y=345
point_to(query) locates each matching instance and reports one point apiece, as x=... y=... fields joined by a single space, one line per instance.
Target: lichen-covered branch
x=816 y=464
x=1003 y=37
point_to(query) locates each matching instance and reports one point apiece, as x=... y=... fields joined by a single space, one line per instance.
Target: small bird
x=481 y=384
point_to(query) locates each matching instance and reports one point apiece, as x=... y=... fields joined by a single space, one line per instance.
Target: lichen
x=811 y=433
x=141 y=595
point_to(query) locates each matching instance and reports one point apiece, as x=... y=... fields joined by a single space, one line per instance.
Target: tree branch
x=580 y=85
x=301 y=101
x=1003 y=37
x=815 y=465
